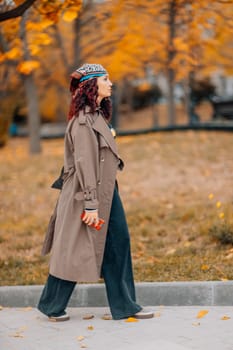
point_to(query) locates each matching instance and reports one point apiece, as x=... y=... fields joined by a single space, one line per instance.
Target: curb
x=211 y=293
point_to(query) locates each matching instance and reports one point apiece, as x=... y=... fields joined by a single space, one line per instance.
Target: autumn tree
x=180 y=38
x=22 y=41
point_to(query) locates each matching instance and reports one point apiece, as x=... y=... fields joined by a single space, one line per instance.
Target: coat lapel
x=101 y=126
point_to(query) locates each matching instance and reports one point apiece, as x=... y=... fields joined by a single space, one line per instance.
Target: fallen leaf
x=80 y=337
x=17 y=335
x=131 y=319
x=202 y=313
x=90 y=328
x=88 y=317
x=107 y=317
x=83 y=346
x=157 y=314
x=1 y=307
x=224 y=318
x=196 y=324
x=205 y=267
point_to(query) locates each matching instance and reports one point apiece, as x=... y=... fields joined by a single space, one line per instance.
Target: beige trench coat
x=90 y=165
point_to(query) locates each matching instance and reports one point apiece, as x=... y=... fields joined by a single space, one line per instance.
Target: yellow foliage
x=13 y=54
x=28 y=67
x=42 y=39
x=34 y=49
x=70 y=15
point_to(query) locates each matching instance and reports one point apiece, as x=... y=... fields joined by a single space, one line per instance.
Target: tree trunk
x=33 y=114
x=170 y=71
x=31 y=96
x=76 y=54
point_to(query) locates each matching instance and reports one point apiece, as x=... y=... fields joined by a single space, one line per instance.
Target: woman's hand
x=90 y=217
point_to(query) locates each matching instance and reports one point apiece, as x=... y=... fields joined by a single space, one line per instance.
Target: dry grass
x=165 y=188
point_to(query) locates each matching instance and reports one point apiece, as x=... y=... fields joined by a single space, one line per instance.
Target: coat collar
x=101 y=126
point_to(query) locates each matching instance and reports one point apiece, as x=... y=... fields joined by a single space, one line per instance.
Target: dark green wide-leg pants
x=116 y=271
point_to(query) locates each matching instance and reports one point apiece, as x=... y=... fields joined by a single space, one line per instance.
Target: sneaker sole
x=59 y=319
x=144 y=317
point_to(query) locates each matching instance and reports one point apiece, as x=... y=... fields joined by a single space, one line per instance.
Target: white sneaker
x=143 y=314
x=61 y=318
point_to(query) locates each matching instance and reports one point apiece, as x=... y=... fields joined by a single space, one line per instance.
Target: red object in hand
x=97 y=226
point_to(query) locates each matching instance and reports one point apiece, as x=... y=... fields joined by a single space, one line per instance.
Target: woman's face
x=104 y=87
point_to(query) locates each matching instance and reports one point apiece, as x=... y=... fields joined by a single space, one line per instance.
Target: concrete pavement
x=172 y=328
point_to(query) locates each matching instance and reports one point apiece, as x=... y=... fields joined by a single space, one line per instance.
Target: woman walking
x=80 y=253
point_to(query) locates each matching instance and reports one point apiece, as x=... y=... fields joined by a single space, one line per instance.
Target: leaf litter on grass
x=166 y=201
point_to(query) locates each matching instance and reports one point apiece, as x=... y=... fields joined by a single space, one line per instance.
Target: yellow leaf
x=131 y=319
x=88 y=317
x=205 y=268
x=221 y=215
x=83 y=346
x=17 y=335
x=1 y=307
x=107 y=317
x=34 y=49
x=42 y=39
x=196 y=324
x=70 y=15
x=80 y=337
x=90 y=328
x=13 y=53
x=202 y=313
x=46 y=23
x=225 y=318
x=211 y=196
x=28 y=67
x=218 y=204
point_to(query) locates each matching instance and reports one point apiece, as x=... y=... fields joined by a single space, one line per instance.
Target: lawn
x=177 y=189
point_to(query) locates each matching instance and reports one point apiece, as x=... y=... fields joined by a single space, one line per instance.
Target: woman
x=80 y=253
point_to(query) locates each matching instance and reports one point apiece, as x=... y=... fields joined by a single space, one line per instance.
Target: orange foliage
x=132 y=34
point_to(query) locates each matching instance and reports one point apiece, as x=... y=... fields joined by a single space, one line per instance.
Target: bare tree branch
x=17 y=11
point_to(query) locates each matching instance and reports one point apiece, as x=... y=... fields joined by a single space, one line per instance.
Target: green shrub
x=222 y=232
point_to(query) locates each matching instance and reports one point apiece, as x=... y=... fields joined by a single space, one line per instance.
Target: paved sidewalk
x=172 y=328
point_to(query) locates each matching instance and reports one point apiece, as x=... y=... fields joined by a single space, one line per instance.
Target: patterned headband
x=90 y=71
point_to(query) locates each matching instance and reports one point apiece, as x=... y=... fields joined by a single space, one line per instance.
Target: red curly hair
x=85 y=94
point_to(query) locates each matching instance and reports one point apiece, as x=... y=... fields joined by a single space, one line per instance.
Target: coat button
x=102 y=159
x=98 y=182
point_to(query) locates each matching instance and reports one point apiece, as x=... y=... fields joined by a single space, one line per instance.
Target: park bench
x=222 y=107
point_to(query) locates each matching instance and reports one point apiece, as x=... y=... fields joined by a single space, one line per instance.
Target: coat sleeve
x=86 y=158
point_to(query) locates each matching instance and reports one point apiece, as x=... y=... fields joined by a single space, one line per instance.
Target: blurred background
x=170 y=62
x=171 y=65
